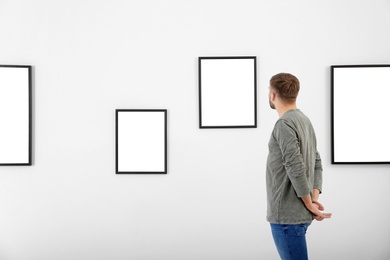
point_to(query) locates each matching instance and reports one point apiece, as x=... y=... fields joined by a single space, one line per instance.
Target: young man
x=294 y=171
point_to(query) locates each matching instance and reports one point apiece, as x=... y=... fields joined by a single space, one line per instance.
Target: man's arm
x=316 y=195
x=318 y=174
x=317 y=185
x=287 y=139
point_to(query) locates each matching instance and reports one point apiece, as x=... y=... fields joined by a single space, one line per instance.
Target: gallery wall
x=90 y=58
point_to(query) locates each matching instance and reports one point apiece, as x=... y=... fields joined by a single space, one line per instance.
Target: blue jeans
x=290 y=240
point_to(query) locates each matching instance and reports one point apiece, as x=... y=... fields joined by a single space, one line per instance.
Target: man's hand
x=320 y=207
x=315 y=208
x=318 y=218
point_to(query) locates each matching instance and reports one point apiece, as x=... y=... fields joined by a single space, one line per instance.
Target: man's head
x=286 y=87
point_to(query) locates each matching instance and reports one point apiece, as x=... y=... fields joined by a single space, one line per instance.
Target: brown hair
x=286 y=86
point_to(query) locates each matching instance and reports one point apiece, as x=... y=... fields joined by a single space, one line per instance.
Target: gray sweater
x=293 y=169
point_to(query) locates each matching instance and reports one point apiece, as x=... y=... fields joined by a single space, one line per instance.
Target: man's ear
x=273 y=96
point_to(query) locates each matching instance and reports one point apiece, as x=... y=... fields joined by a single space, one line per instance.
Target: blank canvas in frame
x=227 y=92
x=15 y=115
x=360 y=114
x=141 y=141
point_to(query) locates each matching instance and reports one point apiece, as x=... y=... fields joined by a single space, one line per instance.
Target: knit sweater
x=294 y=168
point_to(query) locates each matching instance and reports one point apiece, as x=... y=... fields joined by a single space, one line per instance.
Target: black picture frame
x=141 y=141
x=227 y=92
x=16 y=115
x=360 y=132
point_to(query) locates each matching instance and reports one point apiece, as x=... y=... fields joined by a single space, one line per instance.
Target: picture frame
x=141 y=141
x=16 y=115
x=227 y=92
x=360 y=132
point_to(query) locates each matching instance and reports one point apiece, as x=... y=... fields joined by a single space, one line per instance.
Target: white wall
x=92 y=57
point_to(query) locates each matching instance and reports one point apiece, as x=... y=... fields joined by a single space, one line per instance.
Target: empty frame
x=227 y=92
x=141 y=141
x=15 y=115
x=360 y=114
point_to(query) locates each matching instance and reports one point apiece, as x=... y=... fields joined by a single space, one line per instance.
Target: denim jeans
x=290 y=240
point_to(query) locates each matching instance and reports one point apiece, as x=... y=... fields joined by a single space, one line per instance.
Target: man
x=294 y=171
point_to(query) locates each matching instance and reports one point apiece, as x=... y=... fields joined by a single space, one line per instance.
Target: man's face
x=270 y=93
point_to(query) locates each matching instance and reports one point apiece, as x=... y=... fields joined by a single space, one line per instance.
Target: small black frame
x=141 y=141
x=16 y=115
x=227 y=92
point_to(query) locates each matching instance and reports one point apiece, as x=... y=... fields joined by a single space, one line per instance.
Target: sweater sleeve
x=287 y=139
x=318 y=173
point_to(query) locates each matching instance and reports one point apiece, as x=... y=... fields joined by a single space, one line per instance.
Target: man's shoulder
x=295 y=115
